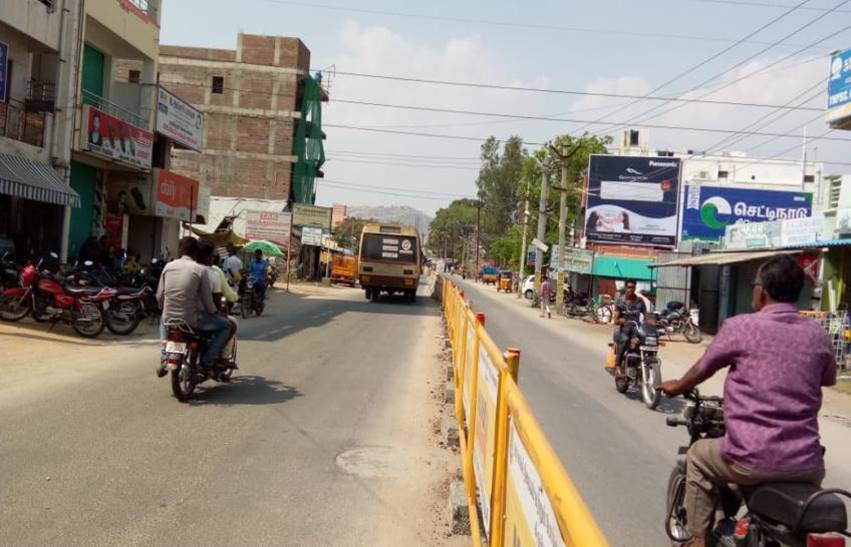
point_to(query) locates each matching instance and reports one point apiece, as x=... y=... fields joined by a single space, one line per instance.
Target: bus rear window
x=386 y=247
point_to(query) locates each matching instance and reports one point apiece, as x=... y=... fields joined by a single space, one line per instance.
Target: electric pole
x=562 y=221
x=523 y=242
x=478 y=231
x=542 y=225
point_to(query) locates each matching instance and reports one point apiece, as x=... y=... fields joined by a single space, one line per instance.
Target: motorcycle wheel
x=603 y=315
x=692 y=333
x=39 y=305
x=13 y=309
x=258 y=309
x=225 y=376
x=245 y=306
x=182 y=379
x=87 y=328
x=621 y=384
x=125 y=322
x=675 y=515
x=649 y=382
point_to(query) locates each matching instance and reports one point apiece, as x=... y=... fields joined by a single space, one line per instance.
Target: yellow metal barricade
x=518 y=493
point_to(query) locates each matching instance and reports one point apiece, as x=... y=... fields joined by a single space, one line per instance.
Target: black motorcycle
x=776 y=514
x=250 y=300
x=576 y=303
x=676 y=319
x=126 y=309
x=640 y=365
x=182 y=351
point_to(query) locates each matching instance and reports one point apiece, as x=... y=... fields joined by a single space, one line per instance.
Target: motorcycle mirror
x=154 y=261
x=54 y=255
x=88 y=263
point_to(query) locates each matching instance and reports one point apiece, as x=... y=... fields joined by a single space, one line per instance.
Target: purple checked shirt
x=778 y=362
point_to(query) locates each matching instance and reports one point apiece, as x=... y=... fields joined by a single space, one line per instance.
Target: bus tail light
x=409 y=282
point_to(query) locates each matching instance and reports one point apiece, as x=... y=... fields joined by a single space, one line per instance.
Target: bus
x=389 y=261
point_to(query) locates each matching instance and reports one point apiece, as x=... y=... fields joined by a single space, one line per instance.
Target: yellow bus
x=389 y=260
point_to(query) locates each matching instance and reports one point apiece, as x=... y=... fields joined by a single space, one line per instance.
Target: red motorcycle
x=50 y=299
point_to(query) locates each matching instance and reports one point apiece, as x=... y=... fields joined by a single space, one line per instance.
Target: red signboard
x=115 y=138
x=177 y=196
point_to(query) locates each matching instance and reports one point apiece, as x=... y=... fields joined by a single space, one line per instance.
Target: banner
x=710 y=209
x=839 y=87
x=775 y=233
x=311 y=236
x=484 y=445
x=578 y=260
x=269 y=225
x=176 y=195
x=4 y=70
x=115 y=138
x=633 y=200
x=179 y=121
x=312 y=216
x=131 y=194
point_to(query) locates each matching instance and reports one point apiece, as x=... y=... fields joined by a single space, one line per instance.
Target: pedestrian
x=545 y=296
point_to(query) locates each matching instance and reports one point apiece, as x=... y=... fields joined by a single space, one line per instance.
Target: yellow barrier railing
x=518 y=493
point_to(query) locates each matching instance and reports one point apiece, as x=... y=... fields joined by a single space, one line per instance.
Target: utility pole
x=478 y=231
x=542 y=226
x=562 y=222
x=523 y=242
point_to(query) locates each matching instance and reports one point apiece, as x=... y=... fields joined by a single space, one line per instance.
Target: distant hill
x=401 y=214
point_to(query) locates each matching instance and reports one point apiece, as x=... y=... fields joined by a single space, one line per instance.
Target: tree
x=347 y=233
x=500 y=176
x=450 y=226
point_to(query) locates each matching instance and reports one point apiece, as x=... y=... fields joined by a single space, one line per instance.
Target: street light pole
x=542 y=225
x=523 y=242
x=478 y=232
x=562 y=222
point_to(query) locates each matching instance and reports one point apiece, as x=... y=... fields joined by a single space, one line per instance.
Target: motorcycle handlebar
x=673 y=421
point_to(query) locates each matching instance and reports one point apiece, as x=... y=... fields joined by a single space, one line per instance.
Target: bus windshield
x=390 y=248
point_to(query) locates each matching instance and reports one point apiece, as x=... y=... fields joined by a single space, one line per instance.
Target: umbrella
x=268 y=248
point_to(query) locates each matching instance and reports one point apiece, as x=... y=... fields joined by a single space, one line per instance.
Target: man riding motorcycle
x=257 y=269
x=778 y=360
x=630 y=302
x=206 y=256
x=184 y=292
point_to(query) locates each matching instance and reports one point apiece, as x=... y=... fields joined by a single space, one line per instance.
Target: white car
x=528 y=287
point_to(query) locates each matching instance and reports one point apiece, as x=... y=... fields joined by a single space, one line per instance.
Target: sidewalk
x=678 y=355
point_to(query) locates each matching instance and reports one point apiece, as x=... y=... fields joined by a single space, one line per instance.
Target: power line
x=699 y=65
x=765 y=5
x=395 y=155
x=417 y=165
x=380 y=190
x=504 y=24
x=553 y=119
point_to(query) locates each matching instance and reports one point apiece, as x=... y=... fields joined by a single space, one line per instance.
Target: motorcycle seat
x=786 y=503
x=82 y=291
x=129 y=291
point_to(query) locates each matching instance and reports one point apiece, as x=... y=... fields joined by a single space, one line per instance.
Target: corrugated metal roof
x=843 y=242
x=717 y=259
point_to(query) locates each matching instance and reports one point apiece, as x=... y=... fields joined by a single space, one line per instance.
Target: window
x=723 y=174
x=218 y=84
x=809 y=178
x=134 y=76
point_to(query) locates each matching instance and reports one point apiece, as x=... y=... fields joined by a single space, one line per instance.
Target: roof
x=622 y=268
x=720 y=258
x=34 y=180
x=844 y=242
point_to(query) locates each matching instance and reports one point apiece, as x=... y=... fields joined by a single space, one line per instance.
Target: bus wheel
x=368 y=293
x=373 y=294
x=412 y=296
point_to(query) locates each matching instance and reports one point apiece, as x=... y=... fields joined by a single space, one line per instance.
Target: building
x=263 y=136
x=339 y=213
x=38 y=53
x=114 y=146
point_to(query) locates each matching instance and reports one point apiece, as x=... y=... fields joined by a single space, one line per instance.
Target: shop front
x=33 y=202
x=610 y=272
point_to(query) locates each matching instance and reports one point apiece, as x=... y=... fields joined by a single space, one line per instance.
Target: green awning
x=622 y=268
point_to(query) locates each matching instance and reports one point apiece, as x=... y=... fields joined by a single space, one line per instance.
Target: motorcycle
x=126 y=308
x=182 y=352
x=249 y=297
x=676 y=319
x=640 y=366
x=49 y=298
x=776 y=514
x=576 y=303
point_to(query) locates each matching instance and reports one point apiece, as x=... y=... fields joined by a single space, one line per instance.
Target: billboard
x=633 y=200
x=179 y=121
x=176 y=195
x=312 y=216
x=4 y=70
x=839 y=87
x=709 y=210
x=115 y=138
x=272 y=226
x=311 y=236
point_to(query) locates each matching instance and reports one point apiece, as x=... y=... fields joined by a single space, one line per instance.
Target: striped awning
x=34 y=180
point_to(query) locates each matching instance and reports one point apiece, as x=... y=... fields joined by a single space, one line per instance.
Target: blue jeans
x=260 y=289
x=220 y=327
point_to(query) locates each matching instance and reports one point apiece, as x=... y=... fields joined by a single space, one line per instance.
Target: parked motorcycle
x=250 y=300
x=640 y=366
x=776 y=514
x=8 y=271
x=126 y=308
x=675 y=319
x=183 y=350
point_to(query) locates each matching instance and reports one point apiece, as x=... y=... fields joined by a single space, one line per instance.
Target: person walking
x=545 y=296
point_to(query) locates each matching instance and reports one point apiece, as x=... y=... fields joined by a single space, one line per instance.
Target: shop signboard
x=272 y=226
x=633 y=200
x=116 y=139
x=176 y=195
x=709 y=210
x=312 y=216
x=311 y=236
x=4 y=70
x=839 y=88
x=776 y=233
x=131 y=194
x=578 y=260
x=179 y=121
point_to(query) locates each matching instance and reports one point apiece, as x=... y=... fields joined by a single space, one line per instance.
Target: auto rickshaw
x=504 y=281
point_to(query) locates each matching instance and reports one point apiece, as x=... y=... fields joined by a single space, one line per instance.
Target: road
x=326 y=436
x=617 y=452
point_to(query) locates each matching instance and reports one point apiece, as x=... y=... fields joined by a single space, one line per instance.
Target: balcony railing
x=113 y=109
x=41 y=96
x=145 y=6
x=21 y=125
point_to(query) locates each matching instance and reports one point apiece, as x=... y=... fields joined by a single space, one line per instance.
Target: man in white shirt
x=232 y=265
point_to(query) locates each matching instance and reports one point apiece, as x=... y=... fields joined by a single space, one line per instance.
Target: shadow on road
x=245 y=390
x=667 y=405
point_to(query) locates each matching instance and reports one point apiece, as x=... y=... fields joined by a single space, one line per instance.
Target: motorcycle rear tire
x=692 y=333
x=674 y=507
x=88 y=329
x=245 y=306
x=649 y=394
x=621 y=384
x=16 y=313
x=123 y=327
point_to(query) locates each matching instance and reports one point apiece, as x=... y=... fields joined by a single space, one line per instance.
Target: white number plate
x=175 y=347
x=649 y=348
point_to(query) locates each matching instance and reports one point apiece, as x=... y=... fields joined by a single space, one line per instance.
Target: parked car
x=527 y=289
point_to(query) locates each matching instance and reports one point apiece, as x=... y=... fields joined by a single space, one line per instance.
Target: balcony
x=41 y=96
x=147 y=7
x=20 y=124
x=114 y=109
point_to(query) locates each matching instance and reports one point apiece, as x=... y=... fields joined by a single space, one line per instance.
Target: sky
x=742 y=51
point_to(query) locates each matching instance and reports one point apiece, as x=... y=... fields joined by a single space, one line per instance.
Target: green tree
x=347 y=233
x=450 y=226
x=500 y=176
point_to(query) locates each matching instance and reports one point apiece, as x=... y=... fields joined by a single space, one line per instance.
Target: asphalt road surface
x=325 y=437
x=617 y=452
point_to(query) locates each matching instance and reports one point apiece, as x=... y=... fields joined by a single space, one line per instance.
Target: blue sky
x=616 y=46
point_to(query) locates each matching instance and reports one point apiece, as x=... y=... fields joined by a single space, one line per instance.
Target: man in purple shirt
x=778 y=360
